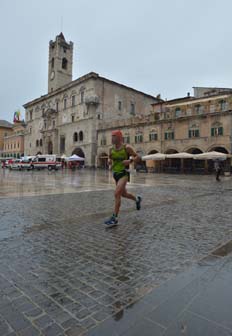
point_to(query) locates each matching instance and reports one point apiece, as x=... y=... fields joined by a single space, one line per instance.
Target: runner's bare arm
x=131 y=153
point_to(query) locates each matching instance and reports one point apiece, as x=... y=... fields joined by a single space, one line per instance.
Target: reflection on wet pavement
x=61 y=272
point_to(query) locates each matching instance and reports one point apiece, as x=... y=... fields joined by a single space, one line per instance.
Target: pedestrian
x=218 y=169
x=120 y=157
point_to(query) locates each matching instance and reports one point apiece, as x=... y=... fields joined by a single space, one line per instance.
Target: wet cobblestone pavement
x=63 y=273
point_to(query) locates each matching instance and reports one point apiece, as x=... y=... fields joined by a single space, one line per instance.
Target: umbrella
x=157 y=156
x=75 y=157
x=183 y=155
x=210 y=156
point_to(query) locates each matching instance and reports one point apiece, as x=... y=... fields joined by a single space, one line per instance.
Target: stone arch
x=153 y=151
x=194 y=150
x=171 y=151
x=191 y=165
x=78 y=151
x=221 y=149
x=73 y=93
x=171 y=165
x=218 y=148
x=152 y=165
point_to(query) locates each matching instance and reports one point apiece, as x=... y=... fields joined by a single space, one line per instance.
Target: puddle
x=36 y=228
x=223 y=250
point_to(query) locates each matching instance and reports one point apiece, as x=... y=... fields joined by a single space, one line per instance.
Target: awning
x=157 y=156
x=211 y=156
x=183 y=155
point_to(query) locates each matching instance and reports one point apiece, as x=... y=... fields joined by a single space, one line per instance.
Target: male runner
x=120 y=157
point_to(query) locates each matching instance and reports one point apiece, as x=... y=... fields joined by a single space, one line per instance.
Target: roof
x=6 y=124
x=61 y=36
x=90 y=75
x=211 y=88
x=175 y=100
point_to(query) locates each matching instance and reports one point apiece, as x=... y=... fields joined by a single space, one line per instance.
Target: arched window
x=217 y=129
x=75 y=137
x=65 y=103
x=153 y=136
x=37 y=143
x=169 y=134
x=81 y=136
x=139 y=138
x=64 y=63
x=41 y=142
x=194 y=131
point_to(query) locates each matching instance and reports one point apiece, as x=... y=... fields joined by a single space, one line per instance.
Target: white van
x=26 y=162
x=46 y=161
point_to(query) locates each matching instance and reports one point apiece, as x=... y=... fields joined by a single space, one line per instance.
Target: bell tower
x=59 y=63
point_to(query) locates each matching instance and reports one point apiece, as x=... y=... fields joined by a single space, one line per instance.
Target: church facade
x=68 y=118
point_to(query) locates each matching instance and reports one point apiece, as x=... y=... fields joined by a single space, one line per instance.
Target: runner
x=120 y=157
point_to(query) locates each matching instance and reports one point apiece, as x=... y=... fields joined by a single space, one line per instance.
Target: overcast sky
x=156 y=46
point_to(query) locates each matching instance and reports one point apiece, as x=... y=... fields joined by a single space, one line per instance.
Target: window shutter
x=190 y=134
x=212 y=131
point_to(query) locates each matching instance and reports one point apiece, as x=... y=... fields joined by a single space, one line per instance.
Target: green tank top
x=118 y=156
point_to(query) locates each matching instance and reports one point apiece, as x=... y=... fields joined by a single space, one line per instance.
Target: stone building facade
x=67 y=119
x=6 y=129
x=195 y=124
x=14 y=142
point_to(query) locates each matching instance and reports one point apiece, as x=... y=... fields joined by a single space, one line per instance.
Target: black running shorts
x=118 y=176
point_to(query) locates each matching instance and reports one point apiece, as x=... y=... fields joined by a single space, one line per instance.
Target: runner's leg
x=120 y=188
x=128 y=195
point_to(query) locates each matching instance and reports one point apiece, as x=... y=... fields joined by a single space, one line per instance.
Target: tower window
x=53 y=62
x=75 y=137
x=81 y=136
x=132 y=108
x=82 y=97
x=73 y=100
x=64 y=63
x=65 y=103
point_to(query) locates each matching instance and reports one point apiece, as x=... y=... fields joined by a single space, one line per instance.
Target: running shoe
x=112 y=221
x=138 y=202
